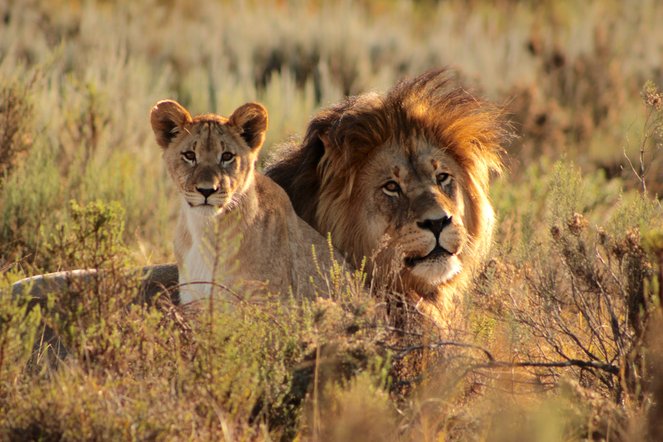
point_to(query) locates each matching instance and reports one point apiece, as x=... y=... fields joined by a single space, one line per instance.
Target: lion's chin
x=438 y=271
x=205 y=209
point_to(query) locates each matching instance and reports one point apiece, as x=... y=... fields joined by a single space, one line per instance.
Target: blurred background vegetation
x=579 y=202
x=79 y=77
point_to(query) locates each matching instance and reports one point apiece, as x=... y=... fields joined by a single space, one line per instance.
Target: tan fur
x=236 y=228
x=413 y=135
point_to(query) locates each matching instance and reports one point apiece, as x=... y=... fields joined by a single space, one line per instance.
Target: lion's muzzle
x=437 y=252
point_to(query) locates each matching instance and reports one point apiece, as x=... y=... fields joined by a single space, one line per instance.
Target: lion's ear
x=251 y=121
x=324 y=139
x=168 y=118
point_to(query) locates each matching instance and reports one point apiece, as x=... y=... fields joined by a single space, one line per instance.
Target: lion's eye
x=391 y=188
x=189 y=156
x=443 y=179
x=227 y=156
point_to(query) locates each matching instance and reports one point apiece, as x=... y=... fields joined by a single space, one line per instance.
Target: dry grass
x=560 y=332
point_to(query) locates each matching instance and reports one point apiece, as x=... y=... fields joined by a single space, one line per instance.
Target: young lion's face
x=210 y=158
x=209 y=164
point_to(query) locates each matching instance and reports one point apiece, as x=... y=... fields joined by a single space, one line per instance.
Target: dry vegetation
x=562 y=332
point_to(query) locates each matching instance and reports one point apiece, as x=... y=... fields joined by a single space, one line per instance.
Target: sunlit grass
x=82 y=77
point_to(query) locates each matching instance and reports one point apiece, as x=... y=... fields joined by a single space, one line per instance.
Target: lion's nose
x=435 y=225
x=206 y=192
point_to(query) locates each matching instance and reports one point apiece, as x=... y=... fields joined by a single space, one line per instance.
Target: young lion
x=236 y=227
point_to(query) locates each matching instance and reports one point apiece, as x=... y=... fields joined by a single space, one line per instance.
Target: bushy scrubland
x=561 y=331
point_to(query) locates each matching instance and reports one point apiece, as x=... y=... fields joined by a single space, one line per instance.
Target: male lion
x=402 y=178
x=235 y=226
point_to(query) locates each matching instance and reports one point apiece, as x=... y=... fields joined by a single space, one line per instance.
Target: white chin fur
x=439 y=272
x=205 y=210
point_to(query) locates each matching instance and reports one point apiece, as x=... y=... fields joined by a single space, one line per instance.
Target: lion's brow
x=414 y=162
x=209 y=136
x=207 y=144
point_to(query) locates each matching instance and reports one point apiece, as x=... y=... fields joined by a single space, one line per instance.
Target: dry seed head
x=652 y=96
x=576 y=224
x=633 y=238
x=619 y=249
x=629 y=244
x=656 y=102
x=556 y=233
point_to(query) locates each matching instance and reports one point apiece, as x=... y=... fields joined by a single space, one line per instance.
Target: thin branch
x=214 y=284
x=571 y=363
x=492 y=363
x=594 y=325
x=641 y=174
x=571 y=335
x=392 y=329
x=402 y=352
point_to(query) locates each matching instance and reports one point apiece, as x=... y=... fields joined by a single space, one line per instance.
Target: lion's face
x=209 y=166
x=410 y=203
x=210 y=158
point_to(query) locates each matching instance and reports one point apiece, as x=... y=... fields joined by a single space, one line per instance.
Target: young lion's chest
x=195 y=276
x=258 y=247
x=202 y=257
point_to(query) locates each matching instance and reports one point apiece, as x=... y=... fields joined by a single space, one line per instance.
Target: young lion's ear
x=168 y=118
x=251 y=120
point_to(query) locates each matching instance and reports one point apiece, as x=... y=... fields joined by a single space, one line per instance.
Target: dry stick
x=584 y=310
x=594 y=324
x=570 y=334
x=547 y=332
x=642 y=159
x=641 y=174
x=402 y=352
x=570 y=362
x=578 y=363
x=617 y=334
x=3 y=344
x=210 y=327
x=621 y=343
x=316 y=404
x=574 y=363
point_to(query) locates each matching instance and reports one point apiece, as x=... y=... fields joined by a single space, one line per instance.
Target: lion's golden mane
x=321 y=175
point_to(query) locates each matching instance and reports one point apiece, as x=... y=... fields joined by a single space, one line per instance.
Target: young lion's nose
x=206 y=192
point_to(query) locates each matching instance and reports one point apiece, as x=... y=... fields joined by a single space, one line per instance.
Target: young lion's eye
x=391 y=188
x=227 y=156
x=189 y=156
